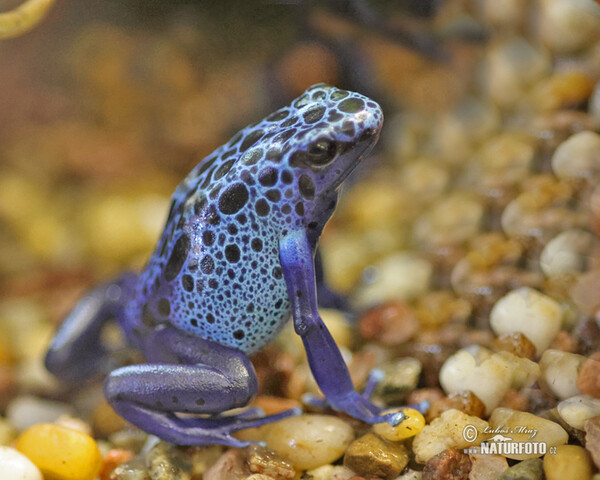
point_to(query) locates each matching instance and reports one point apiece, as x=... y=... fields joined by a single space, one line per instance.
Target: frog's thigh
x=76 y=352
x=185 y=374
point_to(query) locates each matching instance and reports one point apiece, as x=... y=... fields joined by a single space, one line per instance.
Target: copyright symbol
x=470 y=433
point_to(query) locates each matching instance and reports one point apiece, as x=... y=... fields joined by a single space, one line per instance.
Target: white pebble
x=331 y=472
x=489 y=378
x=530 y=312
x=446 y=431
x=578 y=409
x=569 y=25
x=402 y=276
x=578 y=156
x=25 y=411
x=568 y=252
x=16 y=466
x=559 y=372
x=309 y=441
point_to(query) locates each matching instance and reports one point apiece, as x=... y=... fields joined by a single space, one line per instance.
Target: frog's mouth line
x=373 y=135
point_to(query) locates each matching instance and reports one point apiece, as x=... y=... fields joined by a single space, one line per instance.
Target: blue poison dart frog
x=236 y=258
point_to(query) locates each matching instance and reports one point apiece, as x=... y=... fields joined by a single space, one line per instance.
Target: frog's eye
x=321 y=152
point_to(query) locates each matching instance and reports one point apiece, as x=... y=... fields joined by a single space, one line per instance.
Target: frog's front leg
x=187 y=374
x=324 y=357
x=76 y=352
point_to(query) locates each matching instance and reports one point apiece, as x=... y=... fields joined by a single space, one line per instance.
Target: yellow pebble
x=409 y=427
x=61 y=453
x=568 y=462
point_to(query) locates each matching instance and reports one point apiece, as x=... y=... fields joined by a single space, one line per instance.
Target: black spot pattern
x=217 y=272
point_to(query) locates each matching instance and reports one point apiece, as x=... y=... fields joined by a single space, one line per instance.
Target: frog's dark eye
x=321 y=152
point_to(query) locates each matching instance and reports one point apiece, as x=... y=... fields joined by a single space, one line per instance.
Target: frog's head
x=311 y=146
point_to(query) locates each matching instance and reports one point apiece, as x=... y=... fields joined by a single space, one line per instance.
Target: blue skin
x=235 y=259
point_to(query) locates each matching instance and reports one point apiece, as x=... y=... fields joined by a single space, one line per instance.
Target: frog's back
x=216 y=272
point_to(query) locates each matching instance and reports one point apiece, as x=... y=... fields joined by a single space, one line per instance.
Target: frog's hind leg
x=76 y=352
x=187 y=374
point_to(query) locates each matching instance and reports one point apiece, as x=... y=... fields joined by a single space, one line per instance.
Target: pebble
x=451 y=220
x=588 y=380
x=515 y=343
x=132 y=470
x=330 y=472
x=401 y=376
x=559 y=372
x=512 y=67
x=567 y=26
x=562 y=90
x=445 y=432
x=310 y=440
x=530 y=312
x=389 y=324
x=489 y=376
x=112 y=459
x=568 y=252
x=578 y=409
x=451 y=464
x=61 y=453
x=165 y=461
x=594 y=106
x=403 y=275
x=530 y=469
x=26 y=411
x=231 y=465
x=424 y=179
x=7 y=432
x=465 y=401
x=440 y=307
x=373 y=456
x=592 y=439
x=538 y=429
x=578 y=157
x=412 y=424
x=487 y=467
x=263 y=461
x=16 y=466
x=569 y=462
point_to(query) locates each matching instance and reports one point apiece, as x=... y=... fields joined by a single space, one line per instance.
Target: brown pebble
x=515 y=400
x=371 y=455
x=465 y=401
x=587 y=335
x=515 y=343
x=451 y=464
x=272 y=405
x=391 y=324
x=592 y=439
x=112 y=460
x=565 y=342
x=588 y=380
x=538 y=400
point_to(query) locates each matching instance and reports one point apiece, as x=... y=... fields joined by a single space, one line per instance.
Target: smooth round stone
x=570 y=462
x=526 y=427
x=530 y=312
x=424 y=179
x=588 y=381
x=578 y=409
x=403 y=275
x=446 y=431
x=569 y=25
x=310 y=440
x=568 y=252
x=559 y=372
x=513 y=66
x=25 y=411
x=401 y=376
x=412 y=424
x=16 y=466
x=61 y=453
x=489 y=377
x=530 y=469
x=451 y=220
x=578 y=157
x=331 y=472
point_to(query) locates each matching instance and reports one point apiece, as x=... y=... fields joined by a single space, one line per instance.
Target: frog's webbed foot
x=188 y=375
x=361 y=405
